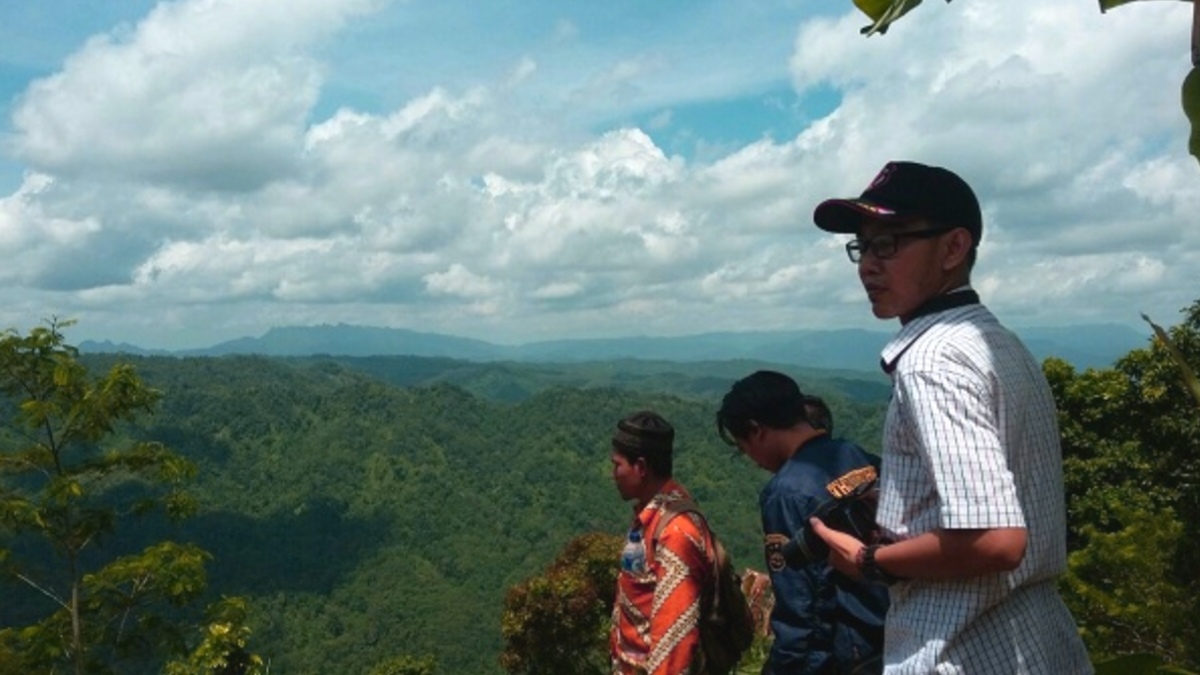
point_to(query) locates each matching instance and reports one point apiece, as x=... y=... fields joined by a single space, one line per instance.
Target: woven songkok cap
x=645 y=431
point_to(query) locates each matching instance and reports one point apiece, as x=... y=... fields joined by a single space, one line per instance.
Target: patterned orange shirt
x=657 y=612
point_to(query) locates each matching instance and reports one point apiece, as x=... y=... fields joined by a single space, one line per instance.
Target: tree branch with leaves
x=68 y=479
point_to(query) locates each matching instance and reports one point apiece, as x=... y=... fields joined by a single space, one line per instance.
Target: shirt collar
x=670 y=493
x=932 y=312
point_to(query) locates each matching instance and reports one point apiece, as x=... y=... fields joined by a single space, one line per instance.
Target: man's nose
x=869 y=262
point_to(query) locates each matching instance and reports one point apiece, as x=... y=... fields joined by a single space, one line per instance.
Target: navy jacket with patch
x=823 y=621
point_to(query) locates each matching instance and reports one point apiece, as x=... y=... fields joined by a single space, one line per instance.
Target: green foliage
x=558 y=622
x=68 y=480
x=883 y=13
x=756 y=657
x=1117 y=583
x=1131 y=446
x=1185 y=370
x=354 y=520
x=1138 y=664
x=363 y=520
x=1190 y=98
x=222 y=648
x=854 y=395
x=406 y=665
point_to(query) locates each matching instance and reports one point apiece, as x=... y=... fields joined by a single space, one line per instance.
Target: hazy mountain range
x=1091 y=346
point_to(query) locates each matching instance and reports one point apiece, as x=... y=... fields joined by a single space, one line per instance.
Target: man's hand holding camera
x=843 y=548
x=937 y=554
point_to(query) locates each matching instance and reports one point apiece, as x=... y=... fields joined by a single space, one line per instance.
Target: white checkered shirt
x=971 y=442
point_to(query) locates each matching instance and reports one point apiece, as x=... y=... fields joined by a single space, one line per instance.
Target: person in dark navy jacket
x=823 y=621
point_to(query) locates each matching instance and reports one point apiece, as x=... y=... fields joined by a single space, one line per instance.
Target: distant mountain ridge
x=1090 y=346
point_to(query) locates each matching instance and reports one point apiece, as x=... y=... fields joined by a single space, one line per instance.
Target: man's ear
x=957 y=244
x=640 y=466
x=756 y=431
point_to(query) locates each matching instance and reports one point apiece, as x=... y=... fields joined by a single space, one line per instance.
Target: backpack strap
x=716 y=555
x=669 y=511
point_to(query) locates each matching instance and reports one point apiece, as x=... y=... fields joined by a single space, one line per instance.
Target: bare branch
x=46 y=592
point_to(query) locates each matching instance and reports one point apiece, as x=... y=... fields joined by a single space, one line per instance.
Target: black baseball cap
x=902 y=192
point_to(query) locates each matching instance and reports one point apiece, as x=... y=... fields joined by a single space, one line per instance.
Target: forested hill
x=512 y=382
x=366 y=519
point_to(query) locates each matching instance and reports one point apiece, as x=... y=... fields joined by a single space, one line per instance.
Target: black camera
x=853 y=512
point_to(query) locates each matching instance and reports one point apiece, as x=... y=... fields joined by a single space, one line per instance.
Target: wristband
x=870 y=570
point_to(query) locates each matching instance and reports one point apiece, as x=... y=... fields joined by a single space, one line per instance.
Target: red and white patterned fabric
x=657 y=612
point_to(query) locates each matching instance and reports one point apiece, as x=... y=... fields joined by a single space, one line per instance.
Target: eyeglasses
x=884 y=246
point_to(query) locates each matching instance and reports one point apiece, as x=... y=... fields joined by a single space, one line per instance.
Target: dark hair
x=646 y=435
x=765 y=397
x=819 y=414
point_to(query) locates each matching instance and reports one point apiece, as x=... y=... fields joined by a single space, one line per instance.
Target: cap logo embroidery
x=877 y=210
x=884 y=175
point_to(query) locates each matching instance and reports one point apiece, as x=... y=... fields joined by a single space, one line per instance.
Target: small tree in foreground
x=66 y=484
x=558 y=622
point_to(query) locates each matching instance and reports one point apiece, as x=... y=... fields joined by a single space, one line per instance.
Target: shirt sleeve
x=955 y=421
x=681 y=569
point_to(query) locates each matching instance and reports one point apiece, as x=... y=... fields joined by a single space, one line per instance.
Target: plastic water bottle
x=633 y=556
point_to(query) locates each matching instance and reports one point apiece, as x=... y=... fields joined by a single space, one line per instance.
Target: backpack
x=726 y=624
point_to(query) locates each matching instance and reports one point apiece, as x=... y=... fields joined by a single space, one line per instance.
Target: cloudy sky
x=175 y=174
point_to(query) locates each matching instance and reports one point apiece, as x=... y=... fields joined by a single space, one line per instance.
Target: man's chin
x=882 y=311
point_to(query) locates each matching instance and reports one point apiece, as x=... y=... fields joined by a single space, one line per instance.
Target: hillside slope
x=366 y=520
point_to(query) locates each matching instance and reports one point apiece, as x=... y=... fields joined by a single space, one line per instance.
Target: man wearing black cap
x=971 y=487
x=824 y=623
x=668 y=558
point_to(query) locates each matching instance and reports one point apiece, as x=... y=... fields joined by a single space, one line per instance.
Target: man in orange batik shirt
x=664 y=569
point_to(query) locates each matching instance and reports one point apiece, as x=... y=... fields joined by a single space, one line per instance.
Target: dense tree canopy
x=367 y=522
x=377 y=528
x=1131 y=442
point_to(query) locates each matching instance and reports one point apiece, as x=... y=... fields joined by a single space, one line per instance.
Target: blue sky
x=177 y=174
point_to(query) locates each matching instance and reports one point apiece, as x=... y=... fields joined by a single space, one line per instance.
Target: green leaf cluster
x=1131 y=444
x=558 y=622
x=71 y=482
x=223 y=647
